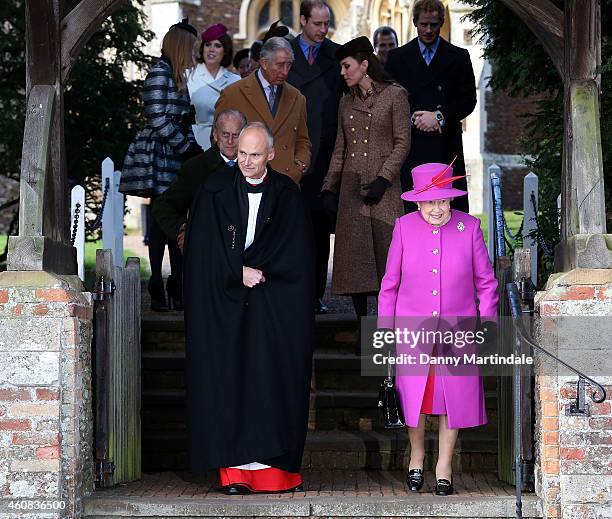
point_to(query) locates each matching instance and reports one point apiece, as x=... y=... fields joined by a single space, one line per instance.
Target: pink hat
x=214 y=32
x=433 y=181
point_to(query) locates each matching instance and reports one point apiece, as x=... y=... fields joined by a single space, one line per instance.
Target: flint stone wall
x=46 y=422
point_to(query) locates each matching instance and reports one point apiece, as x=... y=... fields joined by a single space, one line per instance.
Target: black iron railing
x=579 y=407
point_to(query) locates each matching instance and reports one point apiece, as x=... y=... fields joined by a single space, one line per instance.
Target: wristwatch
x=439 y=117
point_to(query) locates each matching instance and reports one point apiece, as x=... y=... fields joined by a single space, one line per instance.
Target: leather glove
x=329 y=202
x=489 y=330
x=376 y=190
x=193 y=151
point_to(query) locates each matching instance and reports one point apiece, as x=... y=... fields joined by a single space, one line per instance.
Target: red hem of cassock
x=264 y=480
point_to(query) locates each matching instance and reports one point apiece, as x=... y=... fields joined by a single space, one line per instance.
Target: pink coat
x=439 y=272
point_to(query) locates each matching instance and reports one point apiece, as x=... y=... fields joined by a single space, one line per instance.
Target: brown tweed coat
x=373 y=140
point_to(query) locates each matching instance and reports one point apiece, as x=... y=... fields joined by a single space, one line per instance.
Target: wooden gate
x=117 y=370
x=507 y=271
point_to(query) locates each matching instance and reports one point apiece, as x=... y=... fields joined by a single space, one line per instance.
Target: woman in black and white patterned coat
x=154 y=158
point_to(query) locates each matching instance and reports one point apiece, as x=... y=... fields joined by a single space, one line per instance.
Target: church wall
x=505 y=126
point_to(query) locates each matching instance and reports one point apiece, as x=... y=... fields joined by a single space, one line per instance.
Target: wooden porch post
x=53 y=42
x=572 y=39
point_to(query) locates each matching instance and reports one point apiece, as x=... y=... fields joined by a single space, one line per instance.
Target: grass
x=90 y=260
x=514 y=222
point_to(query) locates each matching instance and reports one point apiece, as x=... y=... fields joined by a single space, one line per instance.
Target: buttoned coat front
x=373 y=140
x=291 y=141
x=438 y=271
x=204 y=90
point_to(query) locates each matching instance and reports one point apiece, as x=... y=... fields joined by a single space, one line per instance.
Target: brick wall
x=45 y=389
x=505 y=126
x=512 y=187
x=505 y=121
x=574 y=453
x=214 y=11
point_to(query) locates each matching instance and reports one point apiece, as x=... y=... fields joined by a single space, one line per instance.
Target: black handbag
x=391 y=413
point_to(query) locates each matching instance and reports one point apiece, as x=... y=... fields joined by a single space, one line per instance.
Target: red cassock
x=259 y=479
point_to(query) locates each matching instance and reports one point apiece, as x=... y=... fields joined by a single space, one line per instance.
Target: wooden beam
x=583 y=42
x=78 y=26
x=41 y=30
x=545 y=20
x=35 y=159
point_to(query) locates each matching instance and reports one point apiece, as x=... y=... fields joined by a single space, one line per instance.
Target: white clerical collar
x=255 y=181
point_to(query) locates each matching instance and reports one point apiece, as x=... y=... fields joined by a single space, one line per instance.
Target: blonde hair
x=177 y=46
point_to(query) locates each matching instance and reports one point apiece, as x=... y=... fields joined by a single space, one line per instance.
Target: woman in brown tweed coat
x=362 y=184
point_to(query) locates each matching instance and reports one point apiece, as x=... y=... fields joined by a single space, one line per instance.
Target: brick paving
x=317 y=483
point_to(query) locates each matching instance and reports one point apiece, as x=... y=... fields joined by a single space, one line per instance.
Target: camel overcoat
x=289 y=128
x=373 y=140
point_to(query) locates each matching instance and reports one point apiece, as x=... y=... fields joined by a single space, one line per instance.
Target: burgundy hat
x=433 y=181
x=214 y=32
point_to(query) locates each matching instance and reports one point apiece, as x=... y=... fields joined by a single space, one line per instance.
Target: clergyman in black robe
x=249 y=322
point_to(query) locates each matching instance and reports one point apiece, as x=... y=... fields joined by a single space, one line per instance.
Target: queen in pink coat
x=437 y=267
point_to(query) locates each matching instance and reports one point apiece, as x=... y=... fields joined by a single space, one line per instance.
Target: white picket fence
x=530 y=187
x=112 y=217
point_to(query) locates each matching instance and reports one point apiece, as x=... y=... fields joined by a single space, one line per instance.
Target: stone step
x=354 y=450
x=352 y=410
x=328 y=505
x=331 y=371
x=166 y=333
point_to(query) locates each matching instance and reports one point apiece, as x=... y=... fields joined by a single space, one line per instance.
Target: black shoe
x=175 y=293
x=321 y=307
x=158 y=297
x=235 y=490
x=415 y=479
x=444 y=487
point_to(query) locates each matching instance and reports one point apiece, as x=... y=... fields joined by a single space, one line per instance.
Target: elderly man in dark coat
x=170 y=209
x=316 y=74
x=440 y=82
x=249 y=323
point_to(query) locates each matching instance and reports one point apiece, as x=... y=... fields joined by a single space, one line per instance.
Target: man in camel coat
x=265 y=96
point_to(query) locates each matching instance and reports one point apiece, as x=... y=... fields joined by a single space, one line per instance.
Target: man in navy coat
x=440 y=82
x=316 y=74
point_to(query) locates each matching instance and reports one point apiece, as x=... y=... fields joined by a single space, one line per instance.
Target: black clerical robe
x=249 y=350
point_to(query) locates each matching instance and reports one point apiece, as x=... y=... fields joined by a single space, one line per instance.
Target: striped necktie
x=311 y=56
x=271 y=96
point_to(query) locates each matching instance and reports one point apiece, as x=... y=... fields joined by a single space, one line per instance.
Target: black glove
x=489 y=331
x=376 y=190
x=193 y=151
x=329 y=202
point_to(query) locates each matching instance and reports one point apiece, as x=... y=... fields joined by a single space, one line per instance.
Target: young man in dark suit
x=440 y=82
x=316 y=74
